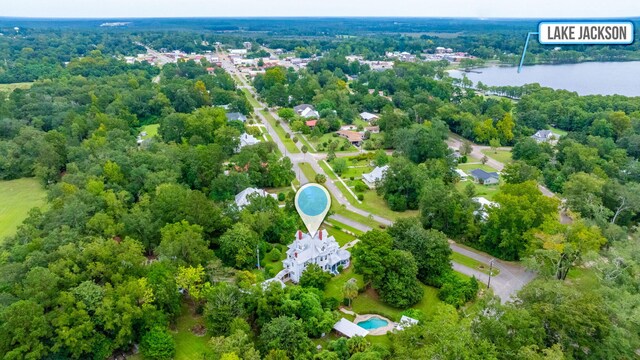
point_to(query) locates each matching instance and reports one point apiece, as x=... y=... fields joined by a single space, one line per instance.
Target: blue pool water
x=372 y=323
x=312 y=201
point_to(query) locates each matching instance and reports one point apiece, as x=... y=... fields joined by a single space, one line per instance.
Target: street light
x=490 y=272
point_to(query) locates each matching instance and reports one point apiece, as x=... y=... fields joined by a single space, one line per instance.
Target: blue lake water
x=591 y=78
x=372 y=323
x=312 y=200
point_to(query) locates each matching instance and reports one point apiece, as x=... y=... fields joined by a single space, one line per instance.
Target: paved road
x=511 y=277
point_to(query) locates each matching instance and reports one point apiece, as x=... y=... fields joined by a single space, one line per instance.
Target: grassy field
x=504 y=156
x=325 y=138
x=334 y=287
x=288 y=143
x=558 y=131
x=308 y=171
x=368 y=303
x=473 y=263
x=152 y=130
x=487 y=191
x=251 y=99
x=468 y=167
x=340 y=236
x=18 y=197
x=10 y=87
x=188 y=345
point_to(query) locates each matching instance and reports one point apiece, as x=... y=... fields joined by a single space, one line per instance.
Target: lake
x=604 y=78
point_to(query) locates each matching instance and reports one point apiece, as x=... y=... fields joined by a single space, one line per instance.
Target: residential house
x=244 y=197
x=372 y=129
x=236 y=116
x=542 y=136
x=486 y=178
x=375 y=176
x=306 y=111
x=321 y=249
x=246 y=140
x=348 y=127
x=311 y=123
x=485 y=204
x=354 y=137
x=367 y=116
x=463 y=175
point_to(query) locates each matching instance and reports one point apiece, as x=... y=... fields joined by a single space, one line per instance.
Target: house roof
x=305 y=247
x=484 y=202
x=376 y=174
x=242 y=197
x=236 y=116
x=302 y=107
x=406 y=322
x=247 y=139
x=349 y=329
x=309 y=113
x=368 y=116
x=311 y=122
x=543 y=134
x=352 y=136
x=372 y=128
x=461 y=173
x=483 y=175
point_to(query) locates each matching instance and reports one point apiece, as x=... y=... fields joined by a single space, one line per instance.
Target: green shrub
x=158 y=344
x=281 y=196
x=360 y=196
x=361 y=187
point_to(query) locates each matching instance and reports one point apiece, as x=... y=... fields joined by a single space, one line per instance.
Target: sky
x=313 y=8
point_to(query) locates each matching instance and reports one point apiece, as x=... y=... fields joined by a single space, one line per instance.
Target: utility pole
x=490 y=272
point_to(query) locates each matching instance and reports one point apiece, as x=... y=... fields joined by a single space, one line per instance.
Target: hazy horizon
x=496 y=9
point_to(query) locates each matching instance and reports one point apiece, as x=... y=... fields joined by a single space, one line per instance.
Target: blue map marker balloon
x=312 y=202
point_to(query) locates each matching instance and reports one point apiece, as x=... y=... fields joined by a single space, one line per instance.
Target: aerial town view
x=289 y=180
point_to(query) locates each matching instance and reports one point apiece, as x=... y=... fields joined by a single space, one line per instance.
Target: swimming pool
x=373 y=323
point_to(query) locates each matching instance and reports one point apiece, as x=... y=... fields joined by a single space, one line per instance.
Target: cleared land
x=10 y=87
x=151 y=130
x=17 y=197
x=503 y=156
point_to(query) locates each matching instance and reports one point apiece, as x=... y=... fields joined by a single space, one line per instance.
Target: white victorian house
x=321 y=249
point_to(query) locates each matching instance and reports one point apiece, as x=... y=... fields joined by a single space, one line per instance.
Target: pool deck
x=378 y=331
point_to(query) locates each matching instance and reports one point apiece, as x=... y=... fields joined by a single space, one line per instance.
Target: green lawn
x=372 y=203
x=251 y=99
x=503 y=156
x=152 y=130
x=368 y=303
x=334 y=287
x=188 y=345
x=468 y=167
x=473 y=263
x=336 y=223
x=327 y=170
x=558 y=131
x=308 y=171
x=487 y=191
x=325 y=138
x=288 y=143
x=18 y=197
x=340 y=236
x=7 y=88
